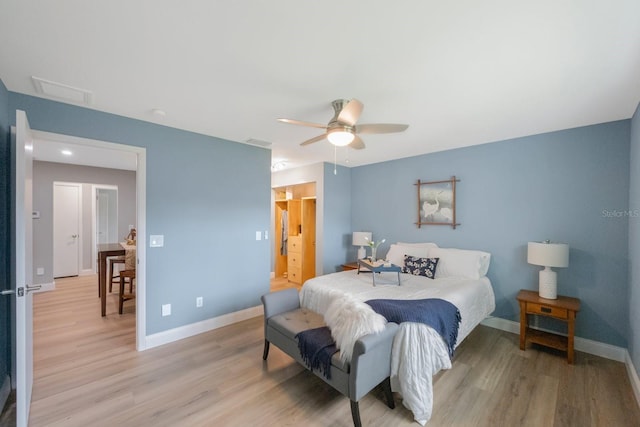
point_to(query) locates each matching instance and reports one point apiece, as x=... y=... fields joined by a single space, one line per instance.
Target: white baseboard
x=633 y=377
x=502 y=324
x=87 y=272
x=5 y=390
x=46 y=287
x=186 y=331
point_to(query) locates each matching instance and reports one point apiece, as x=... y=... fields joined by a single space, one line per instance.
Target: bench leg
x=265 y=353
x=386 y=385
x=355 y=414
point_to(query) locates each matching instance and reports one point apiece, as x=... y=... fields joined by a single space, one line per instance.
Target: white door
x=107 y=215
x=66 y=229
x=23 y=265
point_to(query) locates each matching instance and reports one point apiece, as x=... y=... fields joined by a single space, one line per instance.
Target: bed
x=419 y=352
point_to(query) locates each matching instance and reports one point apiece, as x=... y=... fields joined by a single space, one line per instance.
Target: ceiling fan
x=342 y=129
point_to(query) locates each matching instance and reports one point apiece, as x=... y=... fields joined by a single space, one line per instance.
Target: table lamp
x=547 y=255
x=360 y=239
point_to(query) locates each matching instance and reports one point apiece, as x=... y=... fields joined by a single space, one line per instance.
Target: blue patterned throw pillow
x=420 y=266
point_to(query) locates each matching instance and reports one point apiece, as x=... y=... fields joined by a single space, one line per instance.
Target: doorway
x=101 y=154
x=294 y=251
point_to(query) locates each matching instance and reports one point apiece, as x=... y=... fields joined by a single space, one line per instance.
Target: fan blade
x=381 y=128
x=316 y=139
x=351 y=112
x=357 y=143
x=301 y=123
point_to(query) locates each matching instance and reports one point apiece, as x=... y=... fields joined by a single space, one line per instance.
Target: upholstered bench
x=370 y=363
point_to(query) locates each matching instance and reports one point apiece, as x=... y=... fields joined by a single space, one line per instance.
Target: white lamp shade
x=360 y=238
x=548 y=254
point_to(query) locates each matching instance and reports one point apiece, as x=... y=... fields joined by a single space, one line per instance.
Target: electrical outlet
x=166 y=309
x=40 y=271
x=199 y=302
x=258 y=235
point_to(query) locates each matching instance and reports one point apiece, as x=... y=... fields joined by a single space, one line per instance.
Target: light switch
x=156 y=240
x=258 y=235
x=266 y=235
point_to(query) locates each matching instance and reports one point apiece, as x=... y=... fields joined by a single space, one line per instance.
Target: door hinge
x=20 y=291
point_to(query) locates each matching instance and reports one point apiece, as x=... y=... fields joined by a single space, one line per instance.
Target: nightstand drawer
x=546 y=310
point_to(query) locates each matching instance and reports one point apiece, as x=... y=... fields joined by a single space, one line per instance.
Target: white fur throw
x=349 y=320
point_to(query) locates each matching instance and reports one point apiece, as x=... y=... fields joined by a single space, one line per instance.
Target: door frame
x=141 y=215
x=80 y=213
x=94 y=220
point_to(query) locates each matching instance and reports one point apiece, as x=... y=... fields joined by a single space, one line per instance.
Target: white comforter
x=418 y=351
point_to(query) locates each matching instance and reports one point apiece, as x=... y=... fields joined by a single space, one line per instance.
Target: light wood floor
x=87 y=373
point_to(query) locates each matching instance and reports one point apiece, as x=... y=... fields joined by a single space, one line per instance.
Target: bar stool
x=112 y=276
x=122 y=297
x=129 y=272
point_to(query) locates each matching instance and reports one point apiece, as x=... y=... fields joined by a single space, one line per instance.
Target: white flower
x=373 y=244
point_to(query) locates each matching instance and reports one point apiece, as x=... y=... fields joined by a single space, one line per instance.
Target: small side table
x=563 y=309
x=350 y=266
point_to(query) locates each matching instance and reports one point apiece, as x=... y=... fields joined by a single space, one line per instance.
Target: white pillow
x=350 y=320
x=398 y=251
x=461 y=263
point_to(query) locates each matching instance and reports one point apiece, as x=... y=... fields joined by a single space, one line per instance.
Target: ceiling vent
x=62 y=91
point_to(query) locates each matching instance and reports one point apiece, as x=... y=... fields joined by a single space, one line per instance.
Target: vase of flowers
x=374 y=247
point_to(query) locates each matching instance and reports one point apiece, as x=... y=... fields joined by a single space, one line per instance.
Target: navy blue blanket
x=437 y=313
x=316 y=348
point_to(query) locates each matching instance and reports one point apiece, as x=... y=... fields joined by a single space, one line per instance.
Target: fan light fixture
x=340 y=136
x=342 y=129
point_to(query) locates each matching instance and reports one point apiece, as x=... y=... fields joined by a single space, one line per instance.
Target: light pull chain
x=335 y=160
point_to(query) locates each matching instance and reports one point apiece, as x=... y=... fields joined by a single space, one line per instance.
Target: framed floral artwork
x=437 y=202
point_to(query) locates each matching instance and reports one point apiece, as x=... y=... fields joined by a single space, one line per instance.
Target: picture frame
x=437 y=202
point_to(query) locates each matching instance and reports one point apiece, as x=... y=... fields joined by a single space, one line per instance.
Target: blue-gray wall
x=565 y=186
x=207 y=196
x=5 y=324
x=634 y=243
x=337 y=217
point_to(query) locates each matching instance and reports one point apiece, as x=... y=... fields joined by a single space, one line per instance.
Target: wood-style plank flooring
x=87 y=373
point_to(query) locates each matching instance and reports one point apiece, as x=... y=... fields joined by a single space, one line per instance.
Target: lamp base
x=548 y=284
x=362 y=252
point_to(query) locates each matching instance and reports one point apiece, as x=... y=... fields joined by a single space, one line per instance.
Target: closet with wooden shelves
x=295 y=233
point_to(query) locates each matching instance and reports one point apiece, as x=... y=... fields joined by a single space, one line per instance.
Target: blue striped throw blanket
x=437 y=313
x=316 y=349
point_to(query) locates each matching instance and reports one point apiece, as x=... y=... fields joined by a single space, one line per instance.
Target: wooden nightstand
x=563 y=308
x=350 y=266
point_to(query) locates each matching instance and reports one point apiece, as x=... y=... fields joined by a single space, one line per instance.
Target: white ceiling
x=459 y=73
